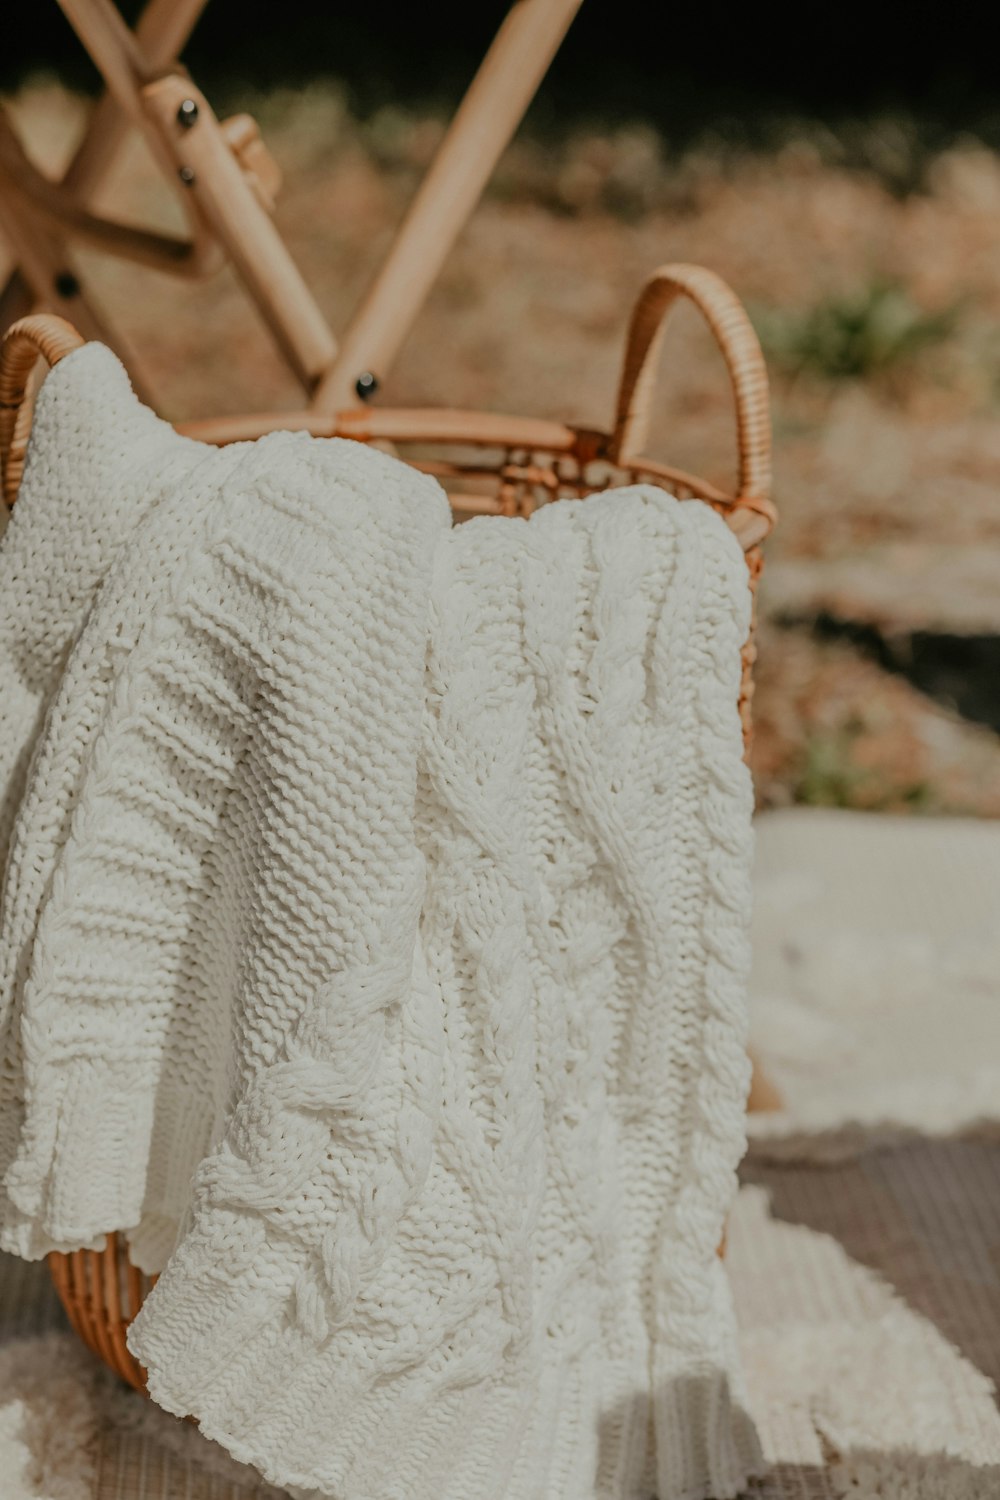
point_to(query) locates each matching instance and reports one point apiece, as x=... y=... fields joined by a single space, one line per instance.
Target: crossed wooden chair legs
x=226 y=181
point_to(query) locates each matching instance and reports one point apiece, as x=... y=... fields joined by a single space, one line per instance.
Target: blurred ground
x=874 y=280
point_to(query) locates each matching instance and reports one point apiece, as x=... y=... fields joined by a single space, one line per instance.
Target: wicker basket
x=490 y=464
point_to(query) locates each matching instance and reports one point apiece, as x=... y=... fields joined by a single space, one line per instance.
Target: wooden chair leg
x=17 y=299
x=241 y=225
x=764 y=1096
x=51 y=278
x=161 y=31
x=227 y=218
x=489 y=114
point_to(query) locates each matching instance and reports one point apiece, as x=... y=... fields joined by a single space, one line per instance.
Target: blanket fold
x=374 y=945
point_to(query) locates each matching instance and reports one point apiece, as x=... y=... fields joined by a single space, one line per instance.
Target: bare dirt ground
x=880 y=312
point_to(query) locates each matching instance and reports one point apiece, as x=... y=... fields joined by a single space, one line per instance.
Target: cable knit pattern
x=375 y=935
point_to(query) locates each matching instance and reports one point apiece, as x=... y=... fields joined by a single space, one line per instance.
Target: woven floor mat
x=926 y=1218
x=868 y=1293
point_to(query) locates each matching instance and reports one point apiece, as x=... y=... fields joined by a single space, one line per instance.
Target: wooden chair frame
x=226 y=180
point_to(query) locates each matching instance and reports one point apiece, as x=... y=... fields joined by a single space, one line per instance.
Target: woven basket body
x=489 y=464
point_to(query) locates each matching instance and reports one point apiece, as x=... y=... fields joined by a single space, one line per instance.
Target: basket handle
x=42 y=335
x=735 y=336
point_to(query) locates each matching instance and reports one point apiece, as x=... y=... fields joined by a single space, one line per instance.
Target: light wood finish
x=162 y=29
x=490 y=464
x=50 y=200
x=115 y=50
x=226 y=204
x=392 y=424
x=262 y=172
x=764 y=1097
x=226 y=181
x=42 y=219
x=120 y=59
x=43 y=265
x=237 y=218
x=40 y=252
x=487 y=118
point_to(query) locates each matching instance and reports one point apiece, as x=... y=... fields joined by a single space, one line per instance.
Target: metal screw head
x=67 y=285
x=186 y=175
x=366 y=385
x=187 y=113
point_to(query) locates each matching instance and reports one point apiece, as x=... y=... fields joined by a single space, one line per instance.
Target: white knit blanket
x=373 y=952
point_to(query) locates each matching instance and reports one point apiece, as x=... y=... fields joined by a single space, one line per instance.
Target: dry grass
x=881 y=309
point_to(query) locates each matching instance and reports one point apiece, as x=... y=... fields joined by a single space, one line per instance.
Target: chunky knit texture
x=382 y=972
x=98 y=464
